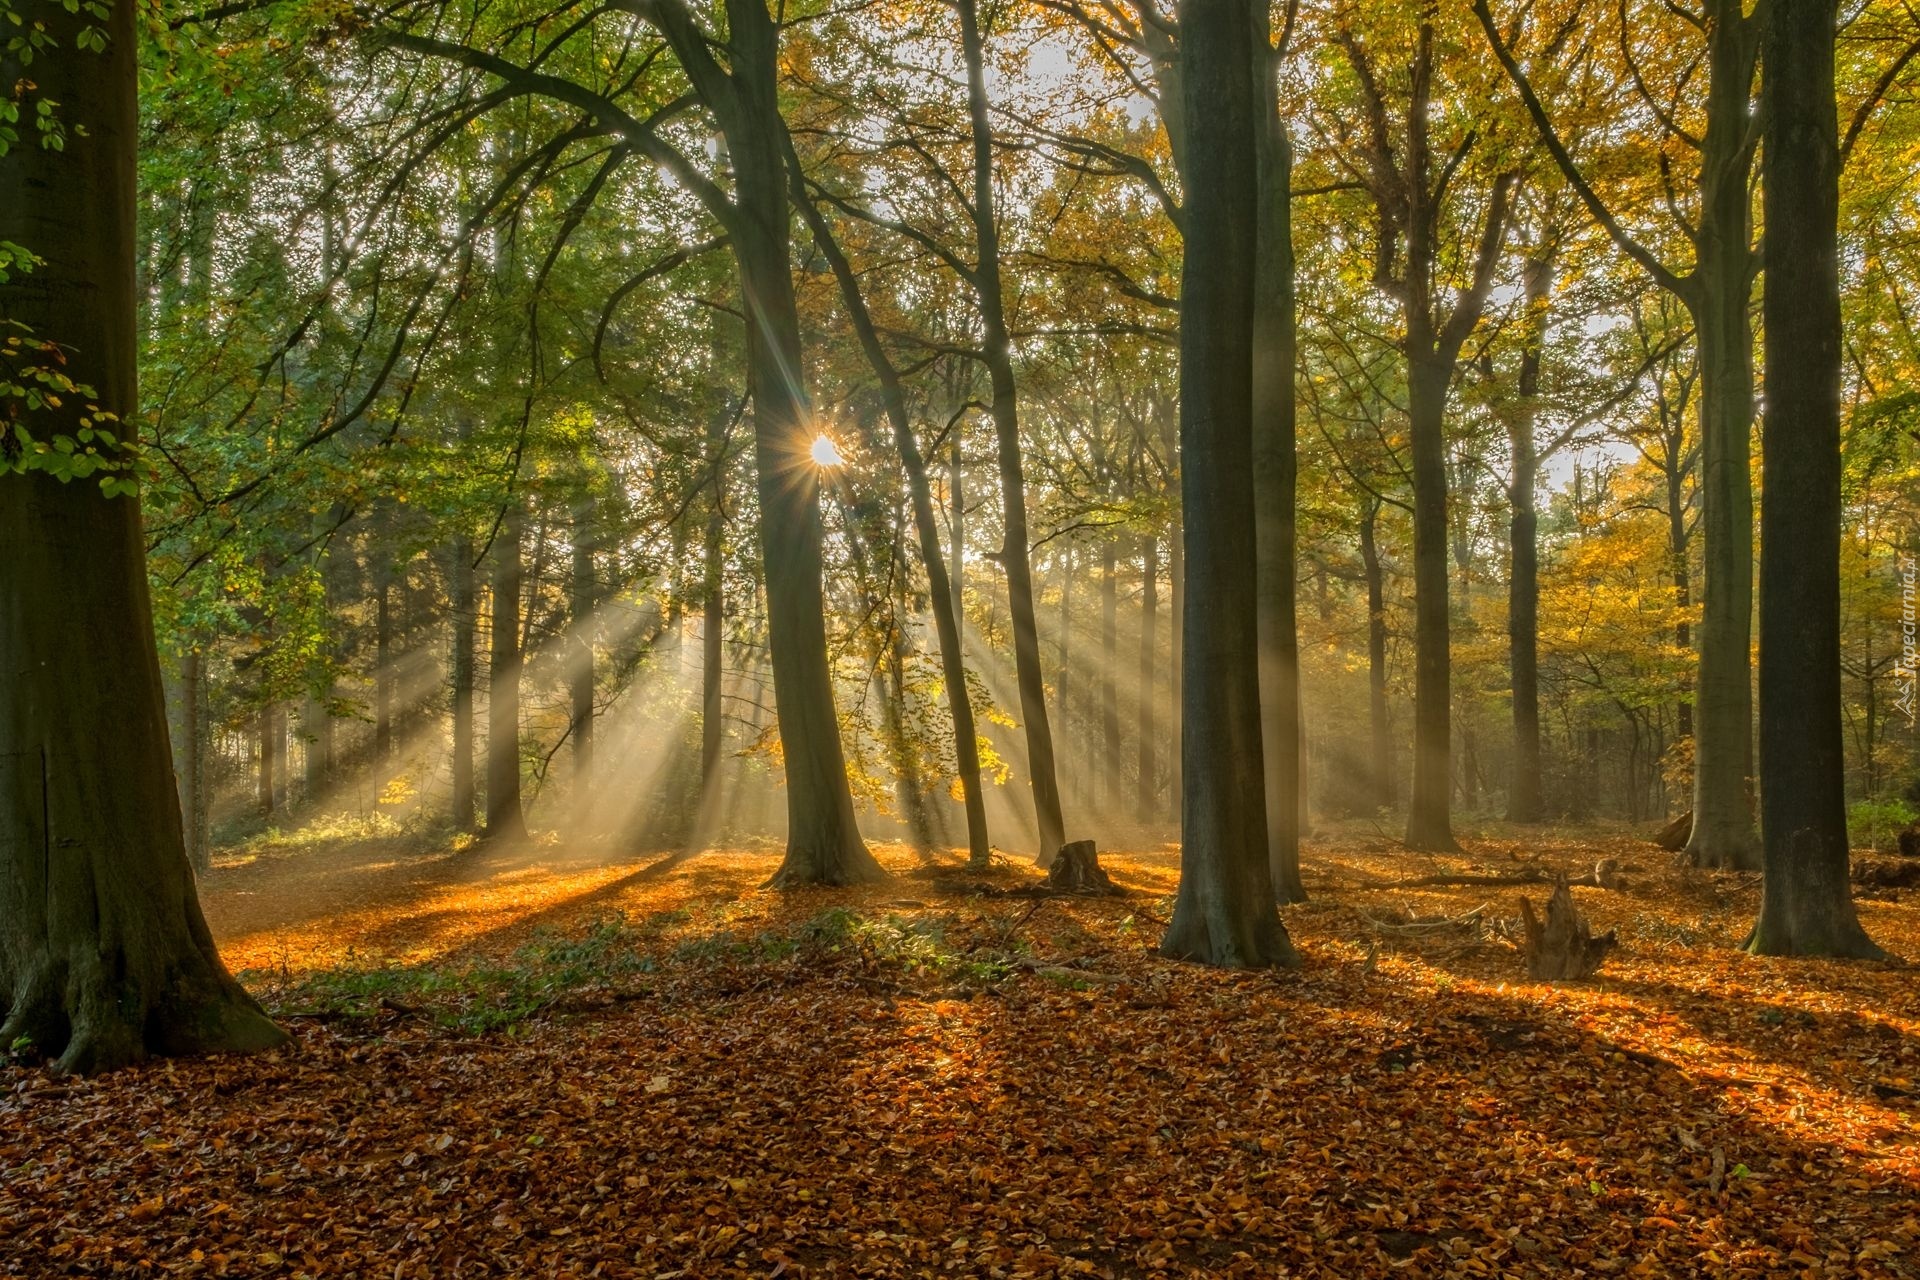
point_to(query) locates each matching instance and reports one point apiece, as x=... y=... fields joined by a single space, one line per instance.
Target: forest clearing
x=657 y=1068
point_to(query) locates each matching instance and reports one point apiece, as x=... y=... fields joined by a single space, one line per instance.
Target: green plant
x=1875 y=824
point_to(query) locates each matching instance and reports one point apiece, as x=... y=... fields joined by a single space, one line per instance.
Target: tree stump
x=1674 y=836
x=1076 y=869
x=1563 y=949
x=1909 y=843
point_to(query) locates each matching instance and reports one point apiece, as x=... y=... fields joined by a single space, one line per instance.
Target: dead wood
x=1674 y=836
x=1563 y=948
x=1605 y=875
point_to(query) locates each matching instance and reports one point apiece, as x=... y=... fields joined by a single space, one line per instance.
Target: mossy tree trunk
x=104 y=955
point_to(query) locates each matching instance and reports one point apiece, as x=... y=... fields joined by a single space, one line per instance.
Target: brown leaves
x=891 y=1098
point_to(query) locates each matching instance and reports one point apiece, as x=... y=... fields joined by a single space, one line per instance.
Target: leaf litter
x=578 y=1067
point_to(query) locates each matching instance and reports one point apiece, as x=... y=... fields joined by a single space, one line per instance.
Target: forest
x=1016 y=638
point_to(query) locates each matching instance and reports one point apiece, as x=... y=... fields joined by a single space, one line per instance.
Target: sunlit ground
x=921 y=1079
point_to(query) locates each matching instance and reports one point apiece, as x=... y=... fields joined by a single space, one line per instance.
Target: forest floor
x=567 y=1065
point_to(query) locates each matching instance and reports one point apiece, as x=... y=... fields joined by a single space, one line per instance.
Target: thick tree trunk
x=1429 y=814
x=823 y=836
x=1384 y=788
x=505 y=819
x=582 y=596
x=1224 y=913
x=1016 y=553
x=1275 y=476
x=1148 y=792
x=1806 y=901
x=461 y=590
x=104 y=955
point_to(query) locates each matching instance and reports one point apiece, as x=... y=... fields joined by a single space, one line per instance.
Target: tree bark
x=1429 y=815
x=1275 y=477
x=1016 y=553
x=104 y=955
x=1806 y=901
x=505 y=819
x=1524 y=801
x=823 y=836
x=1224 y=912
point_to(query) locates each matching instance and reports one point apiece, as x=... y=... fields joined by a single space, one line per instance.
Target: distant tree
x=104 y=955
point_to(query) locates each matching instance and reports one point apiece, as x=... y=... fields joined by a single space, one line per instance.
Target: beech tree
x=1224 y=913
x=1806 y=898
x=104 y=955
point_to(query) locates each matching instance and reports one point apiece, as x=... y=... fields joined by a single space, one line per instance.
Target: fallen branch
x=1605 y=875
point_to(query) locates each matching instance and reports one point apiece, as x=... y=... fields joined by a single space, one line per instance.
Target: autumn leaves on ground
x=556 y=1065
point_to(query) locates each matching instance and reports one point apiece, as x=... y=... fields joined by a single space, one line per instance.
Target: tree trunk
x=1275 y=476
x=1719 y=300
x=461 y=590
x=190 y=758
x=823 y=836
x=1177 y=626
x=1108 y=774
x=382 y=661
x=1384 y=788
x=265 y=792
x=1677 y=547
x=505 y=819
x=104 y=955
x=1016 y=554
x=957 y=526
x=1429 y=815
x=1524 y=803
x=713 y=619
x=943 y=594
x=1224 y=912
x=1149 y=762
x=1806 y=901
x=582 y=597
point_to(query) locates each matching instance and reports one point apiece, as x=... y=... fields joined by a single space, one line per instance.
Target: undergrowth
x=559 y=972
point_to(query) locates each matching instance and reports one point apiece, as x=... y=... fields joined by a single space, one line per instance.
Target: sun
x=826 y=453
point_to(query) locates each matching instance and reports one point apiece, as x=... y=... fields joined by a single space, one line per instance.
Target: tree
x=1716 y=290
x=1806 y=900
x=1224 y=913
x=1409 y=179
x=104 y=955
